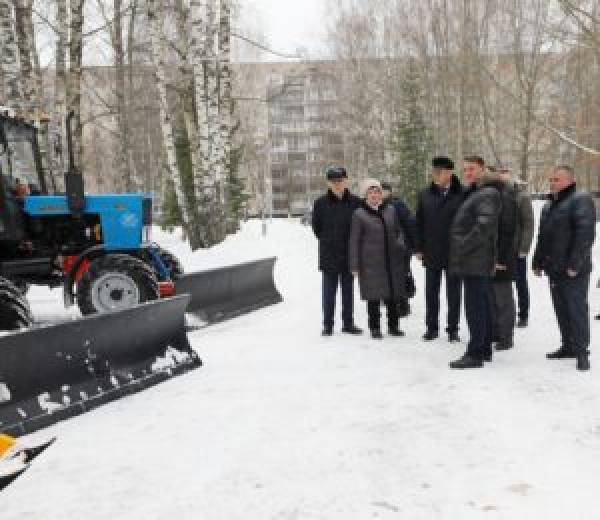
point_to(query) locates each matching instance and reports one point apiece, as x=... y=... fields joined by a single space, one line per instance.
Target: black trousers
x=503 y=311
x=570 y=300
x=329 y=291
x=374 y=312
x=433 y=280
x=522 y=288
x=479 y=315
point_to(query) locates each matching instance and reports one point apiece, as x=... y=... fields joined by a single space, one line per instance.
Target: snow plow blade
x=227 y=292
x=56 y=372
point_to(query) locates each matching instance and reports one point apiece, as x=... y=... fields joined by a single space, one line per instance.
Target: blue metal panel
x=120 y=215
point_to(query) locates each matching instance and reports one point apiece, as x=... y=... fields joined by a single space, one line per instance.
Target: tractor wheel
x=171 y=262
x=116 y=282
x=22 y=286
x=14 y=309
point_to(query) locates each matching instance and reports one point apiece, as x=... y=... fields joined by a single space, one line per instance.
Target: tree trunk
x=128 y=182
x=22 y=12
x=9 y=59
x=60 y=88
x=158 y=48
x=74 y=78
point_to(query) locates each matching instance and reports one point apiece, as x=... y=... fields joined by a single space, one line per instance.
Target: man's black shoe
x=376 y=334
x=430 y=335
x=327 y=331
x=487 y=355
x=395 y=331
x=503 y=345
x=561 y=353
x=352 y=329
x=466 y=362
x=522 y=323
x=583 y=362
x=453 y=337
x=597 y=317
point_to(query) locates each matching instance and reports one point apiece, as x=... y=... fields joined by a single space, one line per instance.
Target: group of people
x=477 y=233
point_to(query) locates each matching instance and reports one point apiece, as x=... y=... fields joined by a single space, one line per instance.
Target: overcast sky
x=290 y=24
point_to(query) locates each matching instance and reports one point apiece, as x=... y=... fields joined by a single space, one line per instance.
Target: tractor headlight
x=147 y=234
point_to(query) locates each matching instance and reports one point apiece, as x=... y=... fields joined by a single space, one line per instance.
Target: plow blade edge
x=227 y=292
x=56 y=372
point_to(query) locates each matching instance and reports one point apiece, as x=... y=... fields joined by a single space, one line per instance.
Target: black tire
x=15 y=313
x=171 y=262
x=116 y=282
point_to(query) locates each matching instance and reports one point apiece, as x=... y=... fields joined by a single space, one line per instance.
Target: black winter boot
x=430 y=335
x=376 y=334
x=466 y=362
x=522 y=323
x=352 y=329
x=327 y=331
x=562 y=353
x=583 y=362
x=395 y=331
x=597 y=317
x=453 y=336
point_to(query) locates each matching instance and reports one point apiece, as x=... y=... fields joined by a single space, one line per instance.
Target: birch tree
x=9 y=58
x=158 y=45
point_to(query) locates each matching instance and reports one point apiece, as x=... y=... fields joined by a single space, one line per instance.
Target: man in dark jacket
x=564 y=252
x=331 y=220
x=436 y=208
x=525 y=239
x=473 y=239
x=503 y=301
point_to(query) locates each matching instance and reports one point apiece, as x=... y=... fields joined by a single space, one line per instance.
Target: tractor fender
x=69 y=279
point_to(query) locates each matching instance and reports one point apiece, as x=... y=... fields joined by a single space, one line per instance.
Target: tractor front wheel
x=14 y=309
x=115 y=282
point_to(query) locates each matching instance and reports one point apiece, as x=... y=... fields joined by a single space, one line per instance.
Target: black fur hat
x=443 y=163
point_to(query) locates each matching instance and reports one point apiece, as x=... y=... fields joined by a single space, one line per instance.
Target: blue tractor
x=97 y=247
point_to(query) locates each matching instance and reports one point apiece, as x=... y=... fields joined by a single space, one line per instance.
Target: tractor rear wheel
x=14 y=309
x=171 y=262
x=116 y=282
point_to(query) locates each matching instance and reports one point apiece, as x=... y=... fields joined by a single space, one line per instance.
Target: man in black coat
x=331 y=220
x=436 y=208
x=473 y=254
x=503 y=301
x=564 y=252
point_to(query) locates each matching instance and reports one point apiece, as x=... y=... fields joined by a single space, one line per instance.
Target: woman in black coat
x=377 y=257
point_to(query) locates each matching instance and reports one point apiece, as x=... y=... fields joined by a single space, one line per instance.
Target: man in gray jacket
x=525 y=228
x=473 y=256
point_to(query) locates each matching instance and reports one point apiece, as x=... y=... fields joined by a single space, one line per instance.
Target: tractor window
x=20 y=157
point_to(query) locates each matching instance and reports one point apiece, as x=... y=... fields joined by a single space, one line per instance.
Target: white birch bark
x=198 y=48
x=75 y=77
x=154 y=15
x=60 y=86
x=225 y=98
x=9 y=58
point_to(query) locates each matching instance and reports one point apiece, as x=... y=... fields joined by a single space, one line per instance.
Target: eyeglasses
x=337 y=180
x=373 y=189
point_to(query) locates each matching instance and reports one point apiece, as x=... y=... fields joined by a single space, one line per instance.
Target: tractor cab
x=20 y=161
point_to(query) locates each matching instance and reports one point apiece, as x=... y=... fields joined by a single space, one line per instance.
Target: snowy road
x=283 y=424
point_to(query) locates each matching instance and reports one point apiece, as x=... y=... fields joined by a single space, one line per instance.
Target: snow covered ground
x=281 y=423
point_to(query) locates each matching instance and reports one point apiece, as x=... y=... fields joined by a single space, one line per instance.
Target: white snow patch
x=171 y=359
x=48 y=405
x=4 y=393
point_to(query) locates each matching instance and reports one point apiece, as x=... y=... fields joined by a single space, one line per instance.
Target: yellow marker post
x=6 y=443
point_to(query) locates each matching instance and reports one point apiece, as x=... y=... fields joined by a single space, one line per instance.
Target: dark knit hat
x=336 y=172
x=443 y=163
